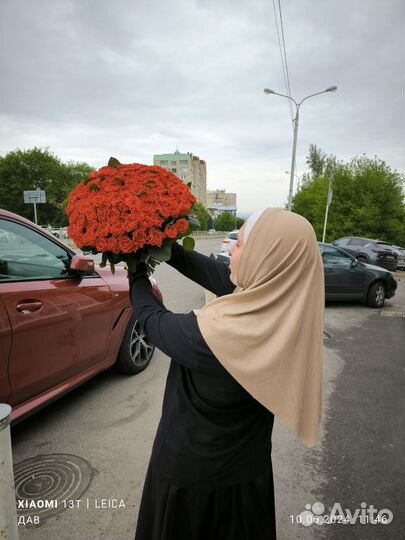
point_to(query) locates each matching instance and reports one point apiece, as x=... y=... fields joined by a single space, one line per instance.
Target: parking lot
x=106 y=429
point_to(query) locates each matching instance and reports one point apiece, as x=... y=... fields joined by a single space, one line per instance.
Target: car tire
x=376 y=295
x=136 y=350
x=362 y=259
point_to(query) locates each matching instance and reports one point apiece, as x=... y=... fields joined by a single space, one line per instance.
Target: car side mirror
x=82 y=265
x=355 y=262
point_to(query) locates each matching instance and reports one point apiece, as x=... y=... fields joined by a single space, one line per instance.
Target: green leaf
x=188 y=243
x=188 y=184
x=132 y=261
x=113 y=162
x=104 y=260
x=161 y=254
x=194 y=222
x=116 y=258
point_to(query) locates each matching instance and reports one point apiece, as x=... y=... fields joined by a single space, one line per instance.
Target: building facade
x=220 y=202
x=188 y=168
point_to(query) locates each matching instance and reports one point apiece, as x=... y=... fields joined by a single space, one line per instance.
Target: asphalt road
x=110 y=423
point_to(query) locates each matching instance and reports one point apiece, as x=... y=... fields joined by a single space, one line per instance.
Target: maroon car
x=63 y=319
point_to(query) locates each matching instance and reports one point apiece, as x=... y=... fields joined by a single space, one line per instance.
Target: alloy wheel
x=380 y=295
x=139 y=347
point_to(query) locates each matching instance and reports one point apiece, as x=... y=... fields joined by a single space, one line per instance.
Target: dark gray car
x=346 y=278
x=369 y=251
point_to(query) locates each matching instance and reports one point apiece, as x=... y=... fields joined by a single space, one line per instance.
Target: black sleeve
x=209 y=273
x=175 y=334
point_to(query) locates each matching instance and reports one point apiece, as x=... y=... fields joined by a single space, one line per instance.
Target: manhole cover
x=43 y=482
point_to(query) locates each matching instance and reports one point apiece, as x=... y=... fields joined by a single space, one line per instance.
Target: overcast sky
x=131 y=78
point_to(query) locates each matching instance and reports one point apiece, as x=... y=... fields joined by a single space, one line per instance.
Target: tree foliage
x=368 y=199
x=316 y=161
x=22 y=170
x=203 y=216
x=239 y=222
x=225 y=222
x=320 y=164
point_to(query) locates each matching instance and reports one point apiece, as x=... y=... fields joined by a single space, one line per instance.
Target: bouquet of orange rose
x=132 y=213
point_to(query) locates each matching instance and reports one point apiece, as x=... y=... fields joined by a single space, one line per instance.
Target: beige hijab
x=268 y=333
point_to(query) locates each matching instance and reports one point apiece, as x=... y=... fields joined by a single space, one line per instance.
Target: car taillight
x=382 y=253
x=226 y=242
x=379 y=252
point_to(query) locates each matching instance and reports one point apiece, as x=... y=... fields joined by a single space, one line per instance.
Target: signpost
x=330 y=197
x=35 y=197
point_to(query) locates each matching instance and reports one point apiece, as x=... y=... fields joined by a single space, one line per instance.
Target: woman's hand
x=141 y=271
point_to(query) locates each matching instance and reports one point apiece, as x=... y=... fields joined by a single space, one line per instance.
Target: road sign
x=36 y=196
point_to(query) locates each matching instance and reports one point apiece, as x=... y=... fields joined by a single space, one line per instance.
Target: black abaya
x=210 y=474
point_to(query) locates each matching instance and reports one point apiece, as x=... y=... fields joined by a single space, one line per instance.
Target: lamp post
x=297 y=177
x=295 y=124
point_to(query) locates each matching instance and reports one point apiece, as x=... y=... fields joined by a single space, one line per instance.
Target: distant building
x=220 y=202
x=188 y=168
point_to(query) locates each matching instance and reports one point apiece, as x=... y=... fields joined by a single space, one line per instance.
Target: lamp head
x=268 y=91
x=331 y=89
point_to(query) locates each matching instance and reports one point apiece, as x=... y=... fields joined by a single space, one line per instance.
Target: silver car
x=229 y=241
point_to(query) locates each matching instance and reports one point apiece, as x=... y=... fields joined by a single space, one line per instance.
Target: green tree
x=203 y=216
x=316 y=161
x=239 y=222
x=368 y=200
x=225 y=222
x=319 y=163
x=22 y=170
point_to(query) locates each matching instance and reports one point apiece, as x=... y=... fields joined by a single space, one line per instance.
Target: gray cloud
x=132 y=78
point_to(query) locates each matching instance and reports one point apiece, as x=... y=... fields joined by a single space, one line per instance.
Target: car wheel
x=376 y=295
x=136 y=350
x=362 y=259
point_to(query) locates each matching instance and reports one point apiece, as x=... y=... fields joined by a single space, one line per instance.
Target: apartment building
x=188 y=168
x=219 y=202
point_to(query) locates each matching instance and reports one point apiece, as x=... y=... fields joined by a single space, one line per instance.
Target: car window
x=357 y=242
x=26 y=255
x=233 y=236
x=331 y=255
x=342 y=242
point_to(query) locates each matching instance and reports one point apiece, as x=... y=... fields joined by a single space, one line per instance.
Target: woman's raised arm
x=211 y=274
x=176 y=334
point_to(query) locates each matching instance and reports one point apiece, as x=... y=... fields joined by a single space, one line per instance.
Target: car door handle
x=29 y=306
x=329 y=270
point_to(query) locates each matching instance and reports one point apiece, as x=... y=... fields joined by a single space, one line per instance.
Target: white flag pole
x=329 y=200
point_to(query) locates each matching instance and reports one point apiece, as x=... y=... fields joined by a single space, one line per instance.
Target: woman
x=252 y=353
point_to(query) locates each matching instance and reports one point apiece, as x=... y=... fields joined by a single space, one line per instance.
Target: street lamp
x=295 y=124
x=297 y=177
